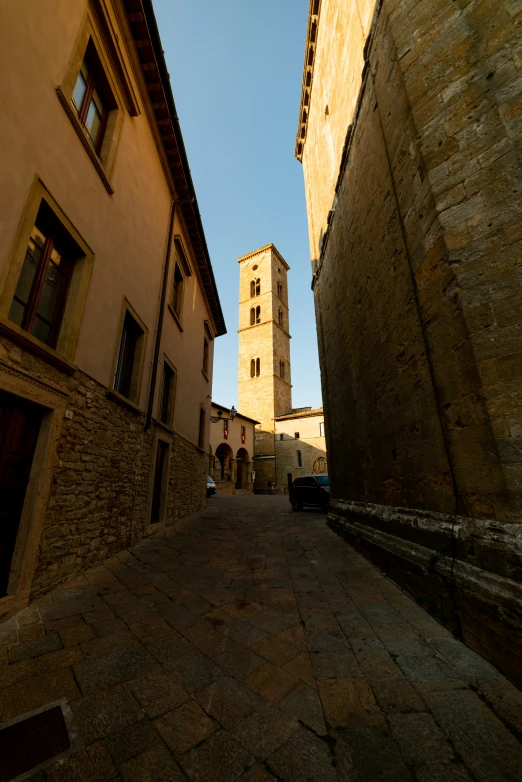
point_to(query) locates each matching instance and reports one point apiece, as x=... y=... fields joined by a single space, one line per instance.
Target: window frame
x=258 y=367
x=63 y=354
x=139 y=358
x=114 y=74
x=297 y=436
x=37 y=286
x=169 y=422
x=299 y=457
x=258 y=314
x=258 y=286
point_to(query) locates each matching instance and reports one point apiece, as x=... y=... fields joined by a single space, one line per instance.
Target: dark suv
x=310 y=490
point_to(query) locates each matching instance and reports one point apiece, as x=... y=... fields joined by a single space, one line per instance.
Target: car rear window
x=322 y=480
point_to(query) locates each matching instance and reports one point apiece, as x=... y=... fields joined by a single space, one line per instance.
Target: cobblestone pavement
x=250 y=643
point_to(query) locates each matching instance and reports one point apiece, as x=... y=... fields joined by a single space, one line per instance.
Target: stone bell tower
x=265 y=389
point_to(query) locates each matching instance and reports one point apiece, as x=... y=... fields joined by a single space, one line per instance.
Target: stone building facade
x=300 y=446
x=108 y=305
x=265 y=388
x=264 y=380
x=231 y=454
x=410 y=138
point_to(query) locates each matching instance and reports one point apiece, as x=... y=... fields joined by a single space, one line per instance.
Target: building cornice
x=145 y=34
x=262 y=250
x=308 y=76
x=303 y=414
x=238 y=415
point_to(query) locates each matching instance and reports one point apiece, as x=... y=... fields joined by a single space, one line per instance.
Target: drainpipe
x=159 y=327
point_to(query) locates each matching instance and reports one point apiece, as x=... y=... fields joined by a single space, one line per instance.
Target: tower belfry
x=264 y=378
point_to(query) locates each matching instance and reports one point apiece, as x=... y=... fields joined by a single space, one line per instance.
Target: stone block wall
x=99 y=497
x=417 y=293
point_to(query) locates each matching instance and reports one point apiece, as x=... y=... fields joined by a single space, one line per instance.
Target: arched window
x=258 y=367
x=258 y=314
x=258 y=286
x=253 y=368
x=280 y=317
x=299 y=455
x=280 y=289
x=252 y=316
x=282 y=369
x=252 y=289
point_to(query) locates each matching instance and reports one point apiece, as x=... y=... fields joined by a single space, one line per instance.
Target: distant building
x=300 y=445
x=264 y=375
x=108 y=305
x=231 y=450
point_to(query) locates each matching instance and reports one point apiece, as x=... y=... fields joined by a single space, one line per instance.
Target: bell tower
x=264 y=378
x=265 y=389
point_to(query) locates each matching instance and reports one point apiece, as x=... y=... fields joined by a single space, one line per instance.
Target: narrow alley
x=251 y=643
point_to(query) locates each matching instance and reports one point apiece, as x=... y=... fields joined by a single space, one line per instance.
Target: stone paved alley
x=250 y=643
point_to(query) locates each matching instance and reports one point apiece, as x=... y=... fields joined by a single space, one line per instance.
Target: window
x=321 y=429
x=252 y=316
x=253 y=368
x=92 y=97
x=201 y=433
x=299 y=455
x=125 y=381
x=282 y=369
x=41 y=293
x=258 y=314
x=281 y=437
x=280 y=317
x=258 y=286
x=177 y=291
x=296 y=435
x=160 y=485
x=167 y=394
x=280 y=290
x=252 y=289
x=258 y=367
x=205 y=356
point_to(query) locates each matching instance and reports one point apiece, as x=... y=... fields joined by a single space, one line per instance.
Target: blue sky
x=236 y=69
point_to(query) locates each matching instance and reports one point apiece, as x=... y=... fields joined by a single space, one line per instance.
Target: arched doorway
x=224 y=454
x=242 y=468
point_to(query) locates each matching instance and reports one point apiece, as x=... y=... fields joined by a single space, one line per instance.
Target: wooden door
x=19 y=426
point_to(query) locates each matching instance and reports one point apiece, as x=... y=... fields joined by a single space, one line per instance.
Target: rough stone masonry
x=410 y=138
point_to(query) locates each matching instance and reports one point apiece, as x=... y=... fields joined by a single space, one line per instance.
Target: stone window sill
x=82 y=135
x=177 y=320
x=110 y=392
x=34 y=346
x=165 y=427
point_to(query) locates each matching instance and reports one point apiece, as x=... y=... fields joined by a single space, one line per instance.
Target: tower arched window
x=258 y=367
x=280 y=289
x=258 y=286
x=252 y=289
x=252 y=316
x=282 y=369
x=258 y=314
x=299 y=455
x=253 y=368
x=280 y=317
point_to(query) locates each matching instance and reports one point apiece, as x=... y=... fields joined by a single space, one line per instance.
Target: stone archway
x=242 y=462
x=225 y=456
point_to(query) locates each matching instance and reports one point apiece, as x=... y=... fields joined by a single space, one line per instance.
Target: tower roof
x=270 y=246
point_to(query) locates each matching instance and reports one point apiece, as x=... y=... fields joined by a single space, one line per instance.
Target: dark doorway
x=19 y=426
x=160 y=483
x=289 y=480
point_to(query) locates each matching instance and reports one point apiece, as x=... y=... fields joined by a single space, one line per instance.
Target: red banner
x=225 y=430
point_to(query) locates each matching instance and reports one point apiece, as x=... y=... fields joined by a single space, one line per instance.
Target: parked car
x=310 y=490
x=211 y=486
